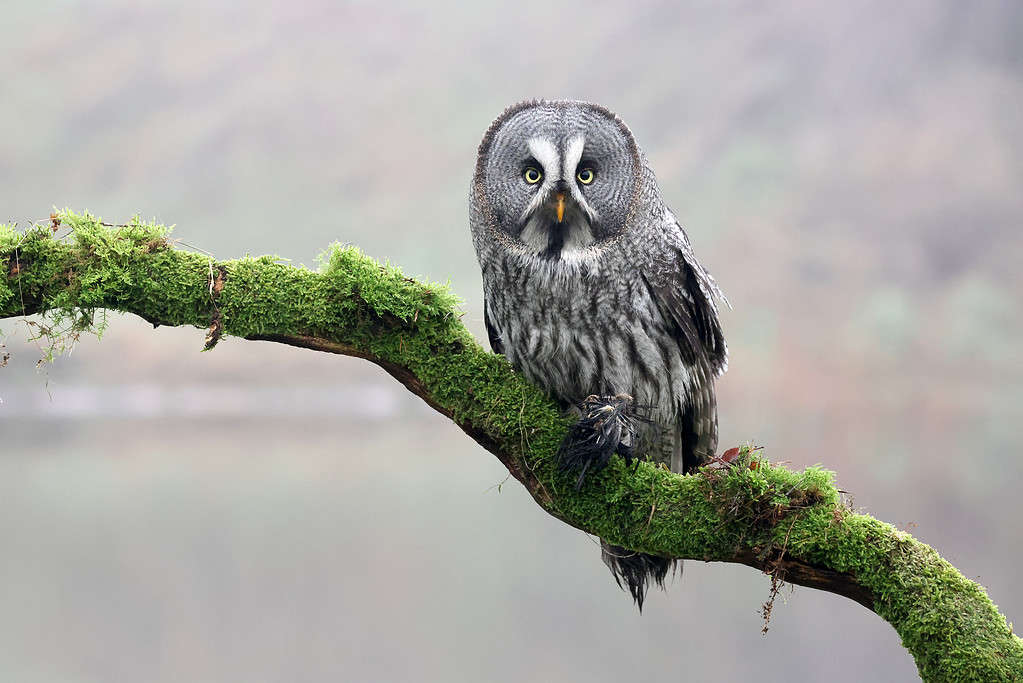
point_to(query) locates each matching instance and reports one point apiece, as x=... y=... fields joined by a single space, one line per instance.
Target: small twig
x=17 y=265
x=178 y=240
x=216 y=329
x=499 y=484
x=777 y=579
x=653 y=509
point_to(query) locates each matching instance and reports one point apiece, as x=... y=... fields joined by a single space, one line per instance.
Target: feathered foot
x=606 y=427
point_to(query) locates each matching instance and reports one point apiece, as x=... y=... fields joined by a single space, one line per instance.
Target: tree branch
x=792 y=525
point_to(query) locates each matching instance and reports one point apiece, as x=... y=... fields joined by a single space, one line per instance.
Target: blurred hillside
x=850 y=173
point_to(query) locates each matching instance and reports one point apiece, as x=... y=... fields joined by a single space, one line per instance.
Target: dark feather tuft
x=607 y=426
x=634 y=571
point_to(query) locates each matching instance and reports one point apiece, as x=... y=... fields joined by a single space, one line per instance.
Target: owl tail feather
x=635 y=571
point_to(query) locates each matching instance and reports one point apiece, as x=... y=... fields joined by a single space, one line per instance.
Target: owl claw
x=606 y=427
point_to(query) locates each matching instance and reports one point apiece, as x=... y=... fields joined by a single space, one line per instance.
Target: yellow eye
x=585 y=176
x=532 y=175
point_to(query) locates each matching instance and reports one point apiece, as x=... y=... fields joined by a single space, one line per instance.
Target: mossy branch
x=792 y=525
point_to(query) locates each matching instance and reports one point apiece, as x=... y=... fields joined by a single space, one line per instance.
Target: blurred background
x=850 y=172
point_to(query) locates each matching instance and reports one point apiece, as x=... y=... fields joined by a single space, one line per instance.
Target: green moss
x=384 y=288
x=749 y=509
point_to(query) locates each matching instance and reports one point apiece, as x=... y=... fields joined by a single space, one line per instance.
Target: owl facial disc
x=557 y=179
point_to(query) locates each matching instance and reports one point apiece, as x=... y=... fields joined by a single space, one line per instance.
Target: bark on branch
x=792 y=525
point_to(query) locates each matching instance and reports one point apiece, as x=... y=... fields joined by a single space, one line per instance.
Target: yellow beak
x=561 y=205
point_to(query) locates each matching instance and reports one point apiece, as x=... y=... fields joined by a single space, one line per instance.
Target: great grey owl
x=592 y=291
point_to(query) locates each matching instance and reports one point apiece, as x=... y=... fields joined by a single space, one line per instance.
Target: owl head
x=557 y=177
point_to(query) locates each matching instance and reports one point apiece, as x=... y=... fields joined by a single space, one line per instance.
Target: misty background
x=849 y=172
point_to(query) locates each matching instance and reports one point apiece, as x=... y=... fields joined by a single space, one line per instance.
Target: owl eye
x=585 y=176
x=532 y=175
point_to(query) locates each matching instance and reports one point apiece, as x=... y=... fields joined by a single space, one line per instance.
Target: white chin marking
x=578 y=239
x=578 y=236
x=534 y=235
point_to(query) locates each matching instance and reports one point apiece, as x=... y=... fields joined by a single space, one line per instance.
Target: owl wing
x=495 y=337
x=685 y=294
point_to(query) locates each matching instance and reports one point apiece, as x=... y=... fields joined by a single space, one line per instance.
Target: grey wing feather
x=699 y=425
x=684 y=293
x=495 y=337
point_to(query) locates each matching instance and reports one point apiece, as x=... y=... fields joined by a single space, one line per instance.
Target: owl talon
x=606 y=427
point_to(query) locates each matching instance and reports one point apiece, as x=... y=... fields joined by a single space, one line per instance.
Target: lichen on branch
x=792 y=525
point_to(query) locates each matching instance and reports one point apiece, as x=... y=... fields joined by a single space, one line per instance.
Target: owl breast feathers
x=590 y=283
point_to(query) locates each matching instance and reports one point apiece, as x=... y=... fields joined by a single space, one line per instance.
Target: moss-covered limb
x=790 y=524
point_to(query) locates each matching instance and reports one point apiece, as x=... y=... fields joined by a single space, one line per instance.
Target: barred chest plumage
x=580 y=326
